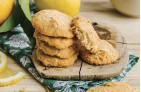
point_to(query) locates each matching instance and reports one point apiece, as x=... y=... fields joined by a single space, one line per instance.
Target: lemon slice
x=9 y=76
x=3 y=61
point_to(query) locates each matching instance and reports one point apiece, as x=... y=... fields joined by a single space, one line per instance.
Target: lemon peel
x=3 y=61
x=6 y=7
x=70 y=7
x=9 y=76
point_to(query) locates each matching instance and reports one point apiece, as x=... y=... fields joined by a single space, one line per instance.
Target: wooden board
x=84 y=71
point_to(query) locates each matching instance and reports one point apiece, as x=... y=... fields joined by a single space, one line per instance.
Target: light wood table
x=96 y=11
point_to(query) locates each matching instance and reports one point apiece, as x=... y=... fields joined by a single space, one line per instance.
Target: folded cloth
x=17 y=45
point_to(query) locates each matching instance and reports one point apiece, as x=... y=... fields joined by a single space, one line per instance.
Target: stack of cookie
x=54 y=38
x=92 y=49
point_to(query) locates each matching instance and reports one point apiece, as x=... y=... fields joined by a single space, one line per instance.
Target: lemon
x=70 y=7
x=3 y=61
x=6 y=7
x=9 y=76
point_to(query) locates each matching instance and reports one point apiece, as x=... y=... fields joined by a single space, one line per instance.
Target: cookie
x=54 y=61
x=86 y=34
x=52 y=23
x=121 y=86
x=60 y=43
x=101 y=89
x=61 y=53
x=107 y=54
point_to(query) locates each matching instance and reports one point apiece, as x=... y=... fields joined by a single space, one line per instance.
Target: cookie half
x=52 y=23
x=107 y=54
x=86 y=34
x=59 y=43
x=54 y=61
x=121 y=86
x=101 y=89
x=61 y=53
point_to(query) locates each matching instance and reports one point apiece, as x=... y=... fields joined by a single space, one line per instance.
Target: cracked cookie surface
x=121 y=86
x=101 y=89
x=52 y=23
x=59 y=43
x=54 y=61
x=86 y=34
x=107 y=54
x=61 y=53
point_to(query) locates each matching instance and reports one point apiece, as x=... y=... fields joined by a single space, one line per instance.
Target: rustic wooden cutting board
x=84 y=71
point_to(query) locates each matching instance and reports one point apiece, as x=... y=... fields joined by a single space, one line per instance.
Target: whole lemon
x=70 y=7
x=6 y=7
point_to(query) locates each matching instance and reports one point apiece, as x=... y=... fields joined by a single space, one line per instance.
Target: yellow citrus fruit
x=6 y=7
x=9 y=76
x=3 y=61
x=70 y=7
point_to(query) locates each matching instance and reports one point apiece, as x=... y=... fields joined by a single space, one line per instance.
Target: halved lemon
x=3 y=61
x=9 y=76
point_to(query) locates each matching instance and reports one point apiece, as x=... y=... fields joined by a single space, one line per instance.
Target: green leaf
x=26 y=23
x=25 y=7
x=13 y=20
x=29 y=30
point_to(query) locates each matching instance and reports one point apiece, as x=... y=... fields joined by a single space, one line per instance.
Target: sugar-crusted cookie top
x=52 y=23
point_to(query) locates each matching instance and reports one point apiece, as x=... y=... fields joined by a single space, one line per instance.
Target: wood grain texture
x=67 y=73
x=96 y=11
x=85 y=71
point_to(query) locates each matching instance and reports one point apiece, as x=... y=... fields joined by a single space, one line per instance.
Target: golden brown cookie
x=59 y=43
x=54 y=61
x=52 y=23
x=52 y=51
x=121 y=86
x=101 y=89
x=86 y=34
x=106 y=55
